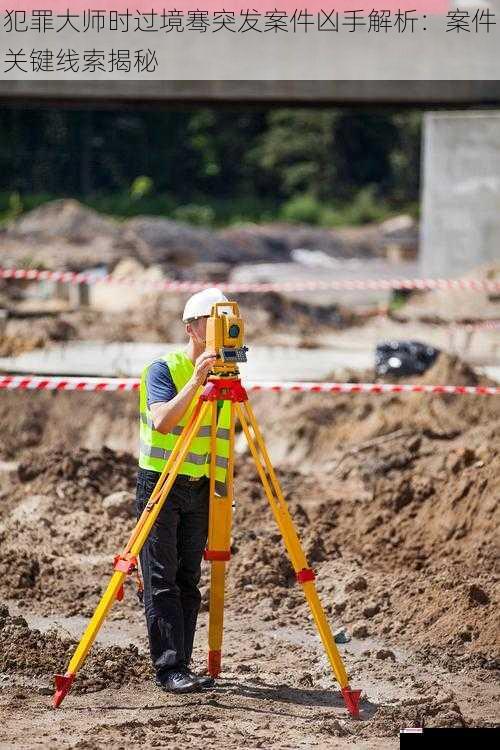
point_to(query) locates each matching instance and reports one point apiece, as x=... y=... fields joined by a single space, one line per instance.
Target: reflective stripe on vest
x=193 y=458
x=156 y=447
x=222 y=432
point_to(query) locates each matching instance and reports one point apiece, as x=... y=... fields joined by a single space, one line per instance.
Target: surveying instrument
x=224 y=336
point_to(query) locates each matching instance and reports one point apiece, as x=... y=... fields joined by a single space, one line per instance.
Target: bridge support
x=461 y=192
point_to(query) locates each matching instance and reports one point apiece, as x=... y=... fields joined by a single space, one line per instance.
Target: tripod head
x=225 y=337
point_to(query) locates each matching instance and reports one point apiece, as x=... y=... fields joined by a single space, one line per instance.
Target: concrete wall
x=461 y=192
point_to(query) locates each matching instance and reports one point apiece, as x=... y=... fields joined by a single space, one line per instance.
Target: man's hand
x=168 y=413
x=202 y=367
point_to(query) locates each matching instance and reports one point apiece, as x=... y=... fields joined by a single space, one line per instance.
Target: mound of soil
x=317 y=431
x=419 y=516
x=13 y=346
x=21 y=335
x=63 y=219
x=292 y=315
x=57 y=420
x=433 y=711
x=88 y=474
x=164 y=241
x=345 y=242
x=58 y=533
x=450 y=369
x=29 y=652
x=62 y=234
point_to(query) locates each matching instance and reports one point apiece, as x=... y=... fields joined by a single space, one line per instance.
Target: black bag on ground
x=404 y=357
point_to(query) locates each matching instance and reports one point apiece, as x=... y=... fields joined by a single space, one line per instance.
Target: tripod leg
x=219 y=546
x=304 y=574
x=127 y=561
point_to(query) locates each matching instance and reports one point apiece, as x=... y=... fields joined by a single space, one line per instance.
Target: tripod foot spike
x=63 y=686
x=351 y=698
x=214 y=660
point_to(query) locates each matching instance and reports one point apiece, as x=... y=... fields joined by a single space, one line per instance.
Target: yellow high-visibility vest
x=155 y=447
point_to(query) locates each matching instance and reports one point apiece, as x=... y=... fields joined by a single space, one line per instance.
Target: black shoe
x=178 y=681
x=203 y=680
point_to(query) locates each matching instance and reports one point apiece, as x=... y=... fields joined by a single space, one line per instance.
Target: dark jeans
x=171 y=568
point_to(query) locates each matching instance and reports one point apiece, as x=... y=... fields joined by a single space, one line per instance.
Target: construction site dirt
x=396 y=499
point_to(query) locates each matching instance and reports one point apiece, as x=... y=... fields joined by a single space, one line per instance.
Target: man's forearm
x=168 y=414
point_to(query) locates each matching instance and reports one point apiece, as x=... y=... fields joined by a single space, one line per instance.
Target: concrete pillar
x=461 y=192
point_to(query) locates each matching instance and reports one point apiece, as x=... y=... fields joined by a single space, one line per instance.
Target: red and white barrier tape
x=60 y=383
x=38 y=382
x=70 y=277
x=451 y=325
x=481 y=325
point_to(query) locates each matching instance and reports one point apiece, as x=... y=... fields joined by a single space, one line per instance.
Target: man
x=171 y=556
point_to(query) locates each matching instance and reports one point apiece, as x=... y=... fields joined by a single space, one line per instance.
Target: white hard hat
x=200 y=304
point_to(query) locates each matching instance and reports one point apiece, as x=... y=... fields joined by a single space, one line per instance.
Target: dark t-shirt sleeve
x=159 y=383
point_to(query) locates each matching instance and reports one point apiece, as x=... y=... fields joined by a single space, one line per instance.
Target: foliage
x=297 y=149
x=140 y=187
x=13 y=209
x=193 y=214
x=365 y=207
x=302 y=209
x=214 y=166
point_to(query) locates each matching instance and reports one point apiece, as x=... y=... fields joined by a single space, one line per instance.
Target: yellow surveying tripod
x=225 y=337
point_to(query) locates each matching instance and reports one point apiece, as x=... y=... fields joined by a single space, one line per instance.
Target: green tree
x=297 y=149
x=405 y=157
